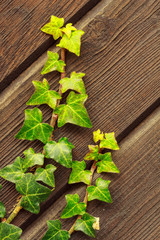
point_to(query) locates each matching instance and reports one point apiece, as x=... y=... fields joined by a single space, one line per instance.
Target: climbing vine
x=36 y=186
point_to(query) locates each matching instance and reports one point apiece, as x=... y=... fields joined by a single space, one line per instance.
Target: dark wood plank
x=22 y=42
x=122 y=81
x=134 y=212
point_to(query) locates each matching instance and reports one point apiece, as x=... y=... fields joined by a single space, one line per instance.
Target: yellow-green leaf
x=54 y=231
x=100 y=191
x=75 y=82
x=53 y=64
x=68 y=29
x=93 y=153
x=43 y=95
x=85 y=224
x=73 y=43
x=106 y=164
x=98 y=135
x=74 y=111
x=79 y=174
x=32 y=158
x=46 y=175
x=14 y=172
x=61 y=152
x=109 y=142
x=54 y=27
x=33 y=128
x=73 y=206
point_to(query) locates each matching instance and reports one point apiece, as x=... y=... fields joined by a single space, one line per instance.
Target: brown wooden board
x=134 y=213
x=121 y=78
x=22 y=42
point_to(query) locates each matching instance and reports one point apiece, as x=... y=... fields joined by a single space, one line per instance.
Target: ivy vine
x=35 y=187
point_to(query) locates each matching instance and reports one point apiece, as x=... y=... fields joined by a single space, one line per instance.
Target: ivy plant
x=102 y=162
x=35 y=180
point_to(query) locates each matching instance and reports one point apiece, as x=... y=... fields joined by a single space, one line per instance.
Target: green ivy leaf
x=33 y=128
x=97 y=135
x=2 y=210
x=74 y=111
x=43 y=95
x=85 y=224
x=61 y=152
x=93 y=153
x=15 y=171
x=109 y=142
x=32 y=193
x=53 y=63
x=46 y=175
x=9 y=232
x=100 y=191
x=2 y=207
x=73 y=207
x=106 y=164
x=73 y=43
x=54 y=27
x=32 y=158
x=54 y=231
x=68 y=29
x=75 y=82
x=78 y=173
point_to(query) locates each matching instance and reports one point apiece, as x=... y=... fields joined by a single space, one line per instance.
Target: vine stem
x=53 y=121
x=15 y=212
x=93 y=168
x=63 y=74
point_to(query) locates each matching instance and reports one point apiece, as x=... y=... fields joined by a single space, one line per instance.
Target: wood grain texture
x=22 y=42
x=134 y=212
x=120 y=56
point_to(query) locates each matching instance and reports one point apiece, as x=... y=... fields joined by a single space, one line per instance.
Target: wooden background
x=120 y=55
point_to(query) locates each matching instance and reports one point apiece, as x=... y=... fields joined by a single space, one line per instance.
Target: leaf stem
x=15 y=212
x=93 y=168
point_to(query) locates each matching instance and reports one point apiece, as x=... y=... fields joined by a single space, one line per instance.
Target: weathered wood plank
x=122 y=81
x=22 y=42
x=134 y=212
